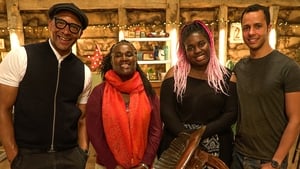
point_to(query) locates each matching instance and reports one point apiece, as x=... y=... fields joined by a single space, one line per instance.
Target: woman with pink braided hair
x=198 y=91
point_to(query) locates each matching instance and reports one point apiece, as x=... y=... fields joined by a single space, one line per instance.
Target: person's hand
x=139 y=167
x=119 y=167
x=11 y=156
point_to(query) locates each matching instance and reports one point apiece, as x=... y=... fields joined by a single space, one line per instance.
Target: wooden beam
x=83 y=4
x=14 y=22
x=172 y=15
x=157 y=4
x=96 y=4
x=235 y=3
x=223 y=32
x=122 y=16
x=274 y=11
x=172 y=11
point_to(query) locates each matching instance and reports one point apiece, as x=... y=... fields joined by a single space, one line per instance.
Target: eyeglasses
x=61 y=24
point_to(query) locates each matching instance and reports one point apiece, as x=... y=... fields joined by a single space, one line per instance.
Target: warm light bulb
x=272 y=38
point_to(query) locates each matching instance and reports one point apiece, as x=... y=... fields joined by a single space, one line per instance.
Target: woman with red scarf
x=123 y=118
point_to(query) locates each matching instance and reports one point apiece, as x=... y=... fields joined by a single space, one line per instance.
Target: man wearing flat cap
x=44 y=88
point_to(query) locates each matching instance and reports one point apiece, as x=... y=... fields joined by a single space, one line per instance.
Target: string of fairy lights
x=112 y=26
x=96 y=58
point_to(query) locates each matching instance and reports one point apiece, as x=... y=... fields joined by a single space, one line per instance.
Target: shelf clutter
x=153 y=52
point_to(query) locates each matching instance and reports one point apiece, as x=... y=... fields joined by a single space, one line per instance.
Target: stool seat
x=2 y=154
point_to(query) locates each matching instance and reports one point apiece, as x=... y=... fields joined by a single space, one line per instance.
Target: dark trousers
x=240 y=161
x=74 y=158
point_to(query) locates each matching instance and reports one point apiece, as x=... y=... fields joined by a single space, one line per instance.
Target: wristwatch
x=274 y=164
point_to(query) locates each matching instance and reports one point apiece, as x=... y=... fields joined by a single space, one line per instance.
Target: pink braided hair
x=215 y=71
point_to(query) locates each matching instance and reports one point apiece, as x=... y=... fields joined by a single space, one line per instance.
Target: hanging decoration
x=112 y=26
x=96 y=59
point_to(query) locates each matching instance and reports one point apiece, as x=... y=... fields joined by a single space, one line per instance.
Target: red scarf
x=126 y=132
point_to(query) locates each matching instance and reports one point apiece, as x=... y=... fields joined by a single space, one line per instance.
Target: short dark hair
x=257 y=7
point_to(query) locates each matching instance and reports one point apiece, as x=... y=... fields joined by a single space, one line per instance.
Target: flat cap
x=56 y=8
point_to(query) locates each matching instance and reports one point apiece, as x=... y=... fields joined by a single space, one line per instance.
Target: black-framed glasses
x=61 y=24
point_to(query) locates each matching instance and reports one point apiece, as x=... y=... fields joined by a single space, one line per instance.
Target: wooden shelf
x=166 y=59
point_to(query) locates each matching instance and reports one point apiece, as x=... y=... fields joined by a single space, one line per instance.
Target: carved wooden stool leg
x=297 y=152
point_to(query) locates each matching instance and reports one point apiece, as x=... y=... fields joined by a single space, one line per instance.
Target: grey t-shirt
x=261 y=85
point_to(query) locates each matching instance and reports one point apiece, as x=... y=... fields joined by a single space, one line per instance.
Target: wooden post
x=223 y=32
x=274 y=10
x=15 y=23
x=172 y=27
x=122 y=21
